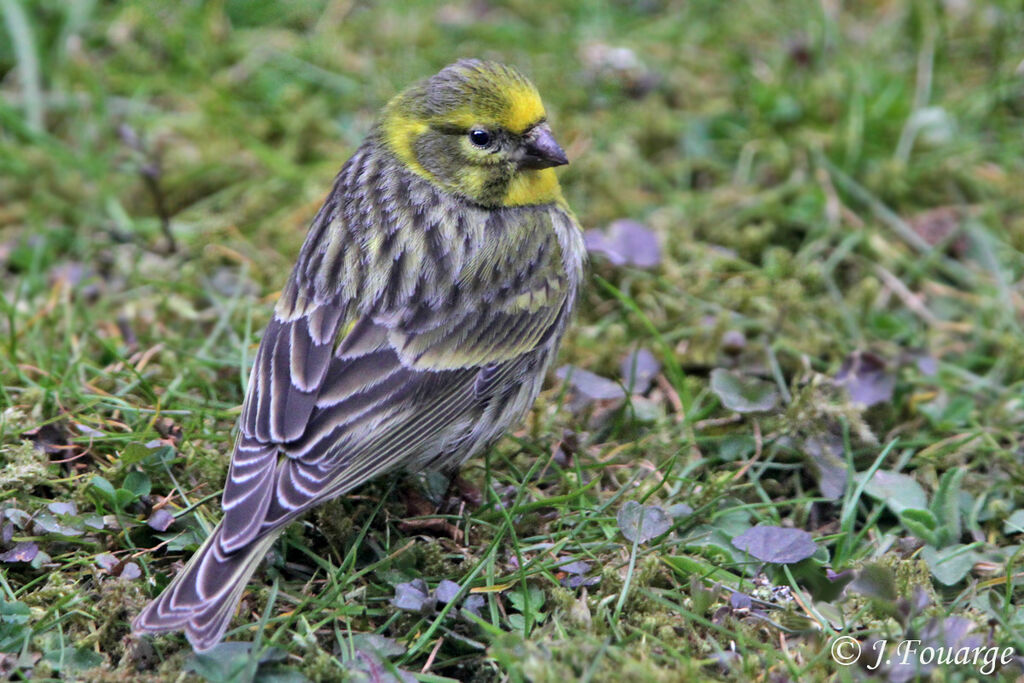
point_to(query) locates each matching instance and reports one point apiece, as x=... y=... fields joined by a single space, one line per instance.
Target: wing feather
x=343 y=390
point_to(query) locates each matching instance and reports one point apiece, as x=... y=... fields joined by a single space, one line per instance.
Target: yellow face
x=477 y=129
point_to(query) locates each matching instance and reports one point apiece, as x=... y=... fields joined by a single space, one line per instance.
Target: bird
x=428 y=300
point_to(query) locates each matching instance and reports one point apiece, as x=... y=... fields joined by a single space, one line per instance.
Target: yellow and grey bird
x=429 y=298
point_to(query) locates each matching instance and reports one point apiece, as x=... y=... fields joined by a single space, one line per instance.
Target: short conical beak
x=541 y=150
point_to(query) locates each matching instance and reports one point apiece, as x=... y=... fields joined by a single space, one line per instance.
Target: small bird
x=428 y=300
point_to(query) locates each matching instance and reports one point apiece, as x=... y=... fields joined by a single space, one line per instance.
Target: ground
x=806 y=225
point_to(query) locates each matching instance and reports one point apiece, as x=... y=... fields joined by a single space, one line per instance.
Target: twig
x=433 y=654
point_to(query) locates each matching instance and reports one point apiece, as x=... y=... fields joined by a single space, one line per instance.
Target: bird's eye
x=480 y=138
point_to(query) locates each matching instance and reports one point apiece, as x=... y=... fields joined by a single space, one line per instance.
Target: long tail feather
x=202 y=598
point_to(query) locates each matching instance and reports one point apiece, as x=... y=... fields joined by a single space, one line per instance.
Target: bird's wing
x=336 y=399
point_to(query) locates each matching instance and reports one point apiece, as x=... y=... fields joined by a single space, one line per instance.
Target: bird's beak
x=541 y=150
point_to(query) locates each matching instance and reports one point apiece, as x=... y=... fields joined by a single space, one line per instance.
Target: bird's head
x=477 y=129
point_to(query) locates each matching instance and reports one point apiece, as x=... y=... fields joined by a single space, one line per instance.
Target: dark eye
x=480 y=138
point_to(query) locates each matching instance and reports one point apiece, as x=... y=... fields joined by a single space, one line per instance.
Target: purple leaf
x=638 y=370
x=130 y=571
x=106 y=561
x=446 y=591
x=641 y=523
x=58 y=508
x=733 y=342
x=93 y=522
x=776 y=544
x=473 y=604
x=866 y=378
x=160 y=520
x=576 y=581
x=590 y=386
x=827 y=464
x=627 y=242
x=577 y=567
x=952 y=632
x=368 y=667
x=928 y=365
x=23 y=552
x=87 y=430
x=740 y=600
x=413 y=596
x=576 y=575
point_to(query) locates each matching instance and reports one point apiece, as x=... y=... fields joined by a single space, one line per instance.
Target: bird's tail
x=202 y=598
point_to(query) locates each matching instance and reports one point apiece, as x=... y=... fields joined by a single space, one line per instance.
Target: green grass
x=823 y=181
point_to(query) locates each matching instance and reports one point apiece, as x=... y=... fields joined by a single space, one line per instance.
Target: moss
x=550 y=657
x=335 y=523
x=23 y=467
